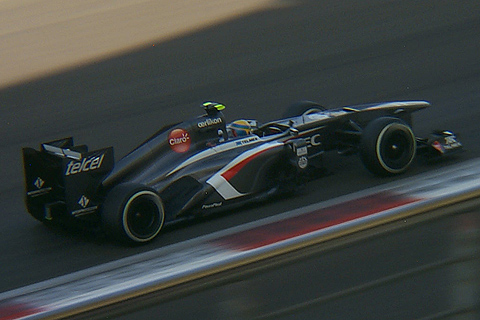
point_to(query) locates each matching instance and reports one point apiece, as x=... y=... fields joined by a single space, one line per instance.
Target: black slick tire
x=388 y=146
x=302 y=107
x=132 y=213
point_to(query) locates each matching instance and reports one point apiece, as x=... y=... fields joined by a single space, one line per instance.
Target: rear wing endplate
x=61 y=173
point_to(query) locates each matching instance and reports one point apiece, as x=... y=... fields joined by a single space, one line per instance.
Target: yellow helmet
x=240 y=128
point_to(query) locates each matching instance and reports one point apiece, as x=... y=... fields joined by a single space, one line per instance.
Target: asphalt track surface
x=337 y=53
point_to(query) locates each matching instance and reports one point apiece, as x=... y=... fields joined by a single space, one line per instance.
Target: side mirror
x=221 y=135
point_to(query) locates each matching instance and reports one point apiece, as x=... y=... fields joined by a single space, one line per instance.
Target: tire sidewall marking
x=159 y=204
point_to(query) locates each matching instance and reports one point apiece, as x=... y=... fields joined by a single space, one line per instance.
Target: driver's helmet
x=239 y=128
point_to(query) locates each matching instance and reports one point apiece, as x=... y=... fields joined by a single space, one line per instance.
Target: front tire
x=388 y=146
x=302 y=107
x=133 y=213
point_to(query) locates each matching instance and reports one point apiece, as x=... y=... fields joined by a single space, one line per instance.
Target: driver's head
x=240 y=128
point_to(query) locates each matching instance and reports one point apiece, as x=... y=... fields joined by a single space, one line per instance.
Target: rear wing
x=61 y=178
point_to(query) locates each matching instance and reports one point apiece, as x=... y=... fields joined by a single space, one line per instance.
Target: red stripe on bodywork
x=312 y=221
x=230 y=173
x=17 y=311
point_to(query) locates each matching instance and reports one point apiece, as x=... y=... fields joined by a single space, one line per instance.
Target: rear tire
x=302 y=107
x=133 y=213
x=388 y=146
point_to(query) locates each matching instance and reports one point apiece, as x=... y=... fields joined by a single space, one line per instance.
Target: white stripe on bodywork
x=222 y=186
x=217 y=149
x=199 y=156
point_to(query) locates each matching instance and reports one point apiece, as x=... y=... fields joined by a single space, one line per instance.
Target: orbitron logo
x=179 y=140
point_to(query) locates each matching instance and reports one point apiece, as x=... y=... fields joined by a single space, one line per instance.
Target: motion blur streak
x=430 y=270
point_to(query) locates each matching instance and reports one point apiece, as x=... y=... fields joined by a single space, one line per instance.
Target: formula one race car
x=204 y=164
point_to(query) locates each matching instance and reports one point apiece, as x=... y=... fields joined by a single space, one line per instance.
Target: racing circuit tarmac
x=335 y=53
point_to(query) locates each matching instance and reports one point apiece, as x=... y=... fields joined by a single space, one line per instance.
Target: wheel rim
x=143 y=216
x=396 y=148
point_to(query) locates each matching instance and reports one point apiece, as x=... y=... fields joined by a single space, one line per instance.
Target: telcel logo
x=87 y=164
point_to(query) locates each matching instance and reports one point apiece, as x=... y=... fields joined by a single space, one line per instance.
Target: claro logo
x=179 y=140
x=87 y=164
